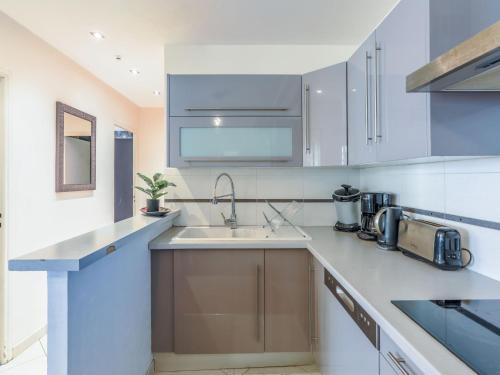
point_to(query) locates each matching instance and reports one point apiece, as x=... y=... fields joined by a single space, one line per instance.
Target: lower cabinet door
x=218 y=301
x=288 y=301
x=162 y=301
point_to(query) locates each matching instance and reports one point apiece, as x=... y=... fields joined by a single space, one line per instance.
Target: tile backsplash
x=465 y=187
x=458 y=187
x=258 y=184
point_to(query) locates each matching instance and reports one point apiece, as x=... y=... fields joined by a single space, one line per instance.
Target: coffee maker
x=371 y=203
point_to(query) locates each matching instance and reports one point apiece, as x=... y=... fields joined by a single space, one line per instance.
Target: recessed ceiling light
x=319 y=91
x=156 y=93
x=97 y=35
x=134 y=72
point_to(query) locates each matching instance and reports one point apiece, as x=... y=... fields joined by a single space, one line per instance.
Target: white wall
x=258 y=183
x=151 y=151
x=467 y=188
x=38 y=76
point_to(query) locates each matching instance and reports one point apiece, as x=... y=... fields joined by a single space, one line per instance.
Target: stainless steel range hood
x=473 y=65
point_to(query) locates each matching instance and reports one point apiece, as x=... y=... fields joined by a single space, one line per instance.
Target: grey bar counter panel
x=235 y=95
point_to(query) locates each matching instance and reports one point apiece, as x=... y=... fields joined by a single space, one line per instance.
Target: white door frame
x=5 y=344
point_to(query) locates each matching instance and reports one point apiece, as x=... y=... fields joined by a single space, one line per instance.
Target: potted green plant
x=156 y=189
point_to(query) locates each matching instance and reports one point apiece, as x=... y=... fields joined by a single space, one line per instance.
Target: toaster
x=431 y=242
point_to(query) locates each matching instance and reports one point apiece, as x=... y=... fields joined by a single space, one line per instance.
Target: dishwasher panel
x=346 y=349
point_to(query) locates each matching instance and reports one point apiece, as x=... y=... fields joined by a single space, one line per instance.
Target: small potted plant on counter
x=157 y=188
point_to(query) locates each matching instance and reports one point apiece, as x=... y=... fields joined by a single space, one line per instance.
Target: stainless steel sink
x=241 y=234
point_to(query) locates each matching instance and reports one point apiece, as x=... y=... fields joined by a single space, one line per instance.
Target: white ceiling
x=138 y=29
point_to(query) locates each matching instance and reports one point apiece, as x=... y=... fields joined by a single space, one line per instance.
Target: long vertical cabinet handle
x=367 y=98
x=307 y=100
x=376 y=116
x=309 y=311
x=258 y=302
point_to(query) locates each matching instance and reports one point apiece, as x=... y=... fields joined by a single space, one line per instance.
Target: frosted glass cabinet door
x=218 y=301
x=235 y=141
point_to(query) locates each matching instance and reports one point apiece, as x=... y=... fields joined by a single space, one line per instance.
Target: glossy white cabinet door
x=402 y=119
x=360 y=99
x=345 y=349
x=325 y=117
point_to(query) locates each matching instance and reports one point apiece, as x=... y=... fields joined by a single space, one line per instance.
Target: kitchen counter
x=99 y=297
x=374 y=277
x=79 y=252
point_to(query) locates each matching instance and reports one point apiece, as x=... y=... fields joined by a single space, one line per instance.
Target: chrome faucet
x=231 y=222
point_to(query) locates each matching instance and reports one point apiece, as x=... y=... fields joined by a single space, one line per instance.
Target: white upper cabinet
x=361 y=133
x=385 y=123
x=234 y=95
x=400 y=119
x=234 y=120
x=382 y=116
x=325 y=117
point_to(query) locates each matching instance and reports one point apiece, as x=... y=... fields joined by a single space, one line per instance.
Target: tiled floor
x=31 y=362
x=292 y=370
x=34 y=362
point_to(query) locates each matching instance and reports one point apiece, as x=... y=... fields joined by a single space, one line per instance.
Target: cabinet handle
x=194 y=109
x=367 y=97
x=258 y=302
x=376 y=116
x=398 y=362
x=307 y=90
x=311 y=331
x=345 y=299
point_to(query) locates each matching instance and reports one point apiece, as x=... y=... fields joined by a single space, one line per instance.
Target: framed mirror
x=75 y=149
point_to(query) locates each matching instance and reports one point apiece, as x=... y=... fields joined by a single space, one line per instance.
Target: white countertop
x=375 y=277
x=79 y=252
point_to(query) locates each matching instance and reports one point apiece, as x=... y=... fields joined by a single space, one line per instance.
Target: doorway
x=124 y=174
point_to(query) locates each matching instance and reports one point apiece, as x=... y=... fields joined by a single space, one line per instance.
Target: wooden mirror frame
x=61 y=109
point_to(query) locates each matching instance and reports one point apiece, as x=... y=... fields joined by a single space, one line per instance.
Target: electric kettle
x=386 y=223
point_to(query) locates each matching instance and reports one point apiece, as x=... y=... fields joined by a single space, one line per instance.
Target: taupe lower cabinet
x=162 y=298
x=216 y=301
x=288 y=308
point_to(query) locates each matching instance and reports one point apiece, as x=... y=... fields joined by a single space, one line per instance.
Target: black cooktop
x=470 y=329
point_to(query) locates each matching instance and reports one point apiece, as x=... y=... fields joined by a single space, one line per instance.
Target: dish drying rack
x=281 y=215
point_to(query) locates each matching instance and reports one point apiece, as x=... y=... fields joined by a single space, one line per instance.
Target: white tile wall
x=466 y=187
x=262 y=183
